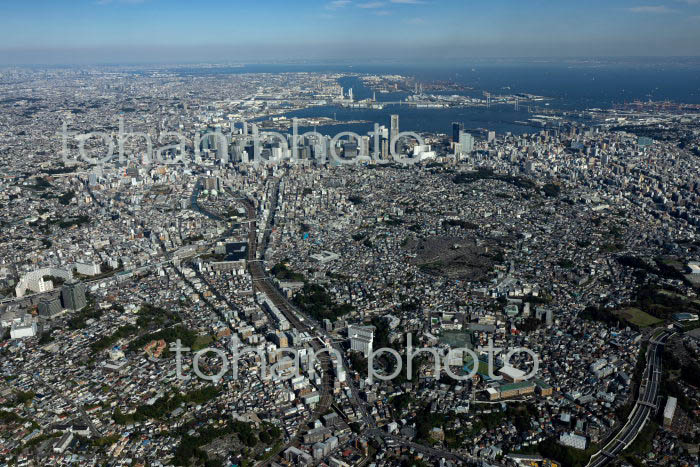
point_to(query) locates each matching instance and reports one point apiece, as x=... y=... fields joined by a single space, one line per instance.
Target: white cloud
x=337 y=4
x=108 y=2
x=371 y=5
x=651 y=9
x=380 y=7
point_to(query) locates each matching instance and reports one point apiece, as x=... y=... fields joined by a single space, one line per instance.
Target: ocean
x=571 y=86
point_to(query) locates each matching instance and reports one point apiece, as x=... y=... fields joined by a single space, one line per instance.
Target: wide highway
x=644 y=407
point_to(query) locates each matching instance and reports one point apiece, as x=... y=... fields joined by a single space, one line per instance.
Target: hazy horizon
x=157 y=31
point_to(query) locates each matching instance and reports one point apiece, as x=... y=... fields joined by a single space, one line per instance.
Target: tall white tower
x=394 y=128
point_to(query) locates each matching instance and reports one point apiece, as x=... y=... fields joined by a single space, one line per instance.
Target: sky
x=408 y=31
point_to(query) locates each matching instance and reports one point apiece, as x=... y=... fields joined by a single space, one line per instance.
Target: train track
x=262 y=283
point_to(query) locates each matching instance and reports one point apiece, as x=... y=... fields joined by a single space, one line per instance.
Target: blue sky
x=409 y=30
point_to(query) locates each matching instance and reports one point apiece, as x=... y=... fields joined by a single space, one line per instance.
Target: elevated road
x=644 y=407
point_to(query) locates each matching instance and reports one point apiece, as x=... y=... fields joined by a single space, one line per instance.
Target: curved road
x=644 y=407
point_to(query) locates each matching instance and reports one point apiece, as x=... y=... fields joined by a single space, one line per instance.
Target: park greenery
x=282 y=272
x=314 y=300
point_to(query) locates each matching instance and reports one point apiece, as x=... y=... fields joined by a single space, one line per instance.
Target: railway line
x=262 y=283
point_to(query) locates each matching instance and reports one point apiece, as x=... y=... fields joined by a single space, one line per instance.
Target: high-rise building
x=394 y=128
x=385 y=149
x=350 y=95
x=361 y=338
x=328 y=325
x=49 y=307
x=492 y=136
x=457 y=128
x=350 y=150
x=364 y=144
x=73 y=295
x=466 y=142
x=210 y=183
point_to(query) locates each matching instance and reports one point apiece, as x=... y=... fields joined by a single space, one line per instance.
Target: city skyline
x=348 y=233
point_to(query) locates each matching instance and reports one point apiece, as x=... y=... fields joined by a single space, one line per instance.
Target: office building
x=457 y=128
x=350 y=150
x=466 y=142
x=364 y=146
x=394 y=127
